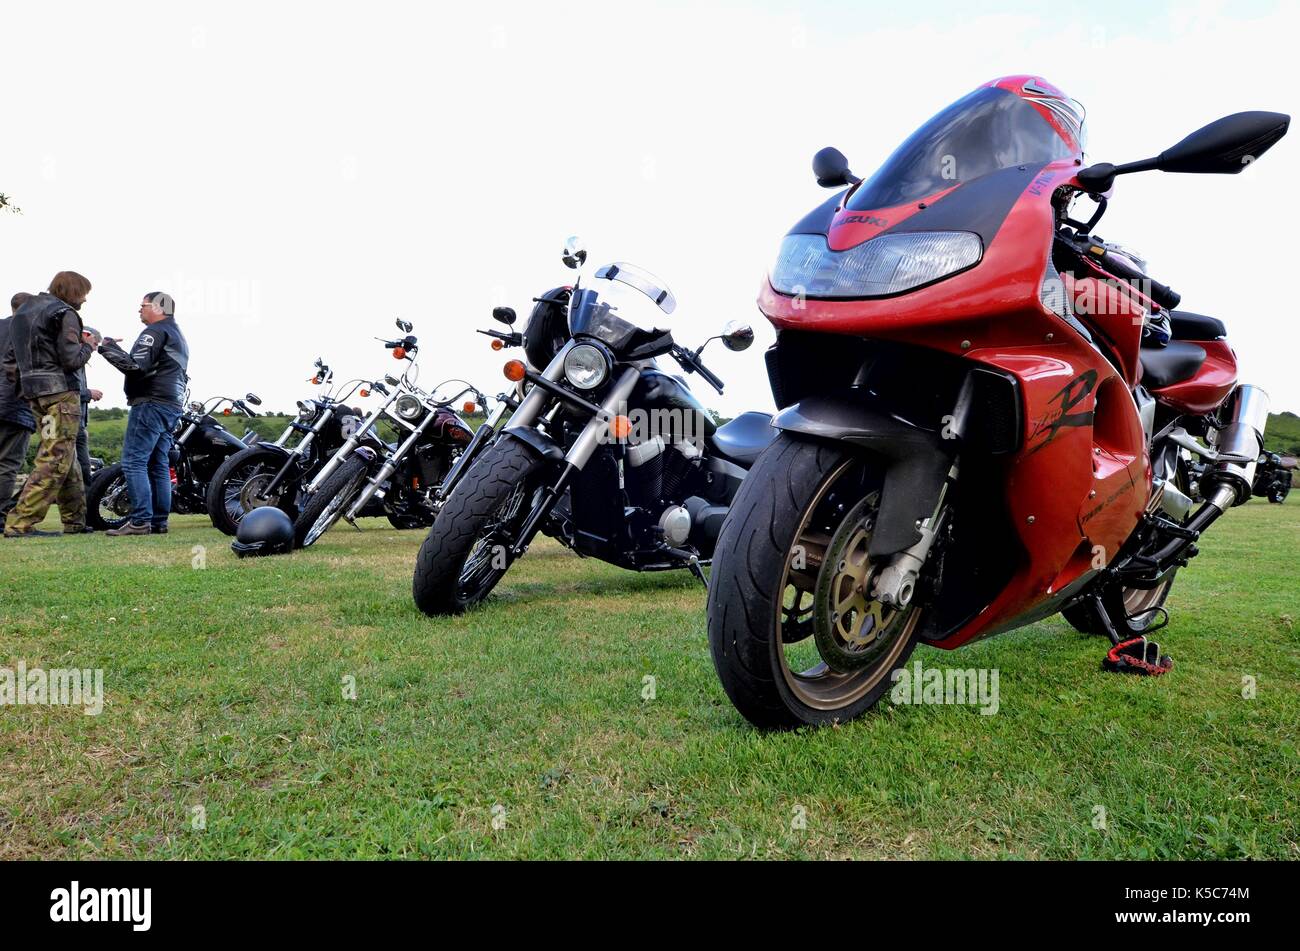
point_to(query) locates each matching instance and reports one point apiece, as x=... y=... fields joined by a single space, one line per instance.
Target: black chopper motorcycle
x=276 y=473
x=606 y=453
x=200 y=446
x=400 y=480
x=1272 y=479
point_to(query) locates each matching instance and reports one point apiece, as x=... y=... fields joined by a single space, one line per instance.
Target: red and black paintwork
x=1080 y=480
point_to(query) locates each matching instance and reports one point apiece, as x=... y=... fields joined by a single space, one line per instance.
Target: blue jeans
x=146 y=461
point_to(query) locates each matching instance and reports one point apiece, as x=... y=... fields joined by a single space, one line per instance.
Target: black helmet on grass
x=263 y=531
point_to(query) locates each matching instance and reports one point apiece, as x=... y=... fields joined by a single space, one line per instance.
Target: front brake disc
x=852 y=629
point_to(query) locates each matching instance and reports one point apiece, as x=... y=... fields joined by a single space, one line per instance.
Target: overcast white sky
x=298 y=175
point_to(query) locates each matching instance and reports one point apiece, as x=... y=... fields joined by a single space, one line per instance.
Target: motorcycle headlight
x=306 y=409
x=888 y=264
x=586 y=367
x=408 y=407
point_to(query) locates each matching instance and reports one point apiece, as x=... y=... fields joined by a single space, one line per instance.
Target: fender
x=366 y=453
x=917 y=461
x=272 y=447
x=541 y=445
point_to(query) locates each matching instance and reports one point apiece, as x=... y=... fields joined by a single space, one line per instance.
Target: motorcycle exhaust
x=1239 y=443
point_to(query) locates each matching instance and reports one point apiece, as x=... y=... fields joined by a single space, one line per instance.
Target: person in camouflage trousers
x=56 y=477
x=43 y=359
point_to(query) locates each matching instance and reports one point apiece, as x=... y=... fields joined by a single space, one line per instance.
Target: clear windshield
x=622 y=305
x=980 y=133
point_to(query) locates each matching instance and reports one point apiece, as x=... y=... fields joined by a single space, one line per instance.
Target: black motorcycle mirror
x=575 y=255
x=505 y=315
x=832 y=169
x=1224 y=147
x=737 y=336
x=253 y=398
x=404 y=325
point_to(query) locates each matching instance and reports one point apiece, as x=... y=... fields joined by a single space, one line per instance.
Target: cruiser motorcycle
x=275 y=473
x=605 y=452
x=399 y=480
x=200 y=445
x=988 y=414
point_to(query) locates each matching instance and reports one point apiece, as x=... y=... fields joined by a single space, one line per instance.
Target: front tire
x=107 y=503
x=795 y=535
x=231 y=491
x=467 y=550
x=328 y=503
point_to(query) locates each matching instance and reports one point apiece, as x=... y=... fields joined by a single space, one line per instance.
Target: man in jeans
x=16 y=422
x=43 y=357
x=155 y=372
x=88 y=395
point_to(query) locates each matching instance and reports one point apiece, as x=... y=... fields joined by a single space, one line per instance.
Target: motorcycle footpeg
x=1137 y=656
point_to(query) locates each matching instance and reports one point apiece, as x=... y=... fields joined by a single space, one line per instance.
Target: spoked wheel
x=795 y=634
x=239 y=484
x=467 y=551
x=328 y=503
x=107 y=503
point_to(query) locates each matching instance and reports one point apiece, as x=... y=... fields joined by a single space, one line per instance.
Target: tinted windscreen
x=980 y=133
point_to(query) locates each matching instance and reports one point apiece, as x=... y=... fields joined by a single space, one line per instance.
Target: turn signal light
x=515 y=370
x=620 y=427
x=498 y=345
x=399 y=353
x=469 y=406
x=364 y=394
x=226 y=411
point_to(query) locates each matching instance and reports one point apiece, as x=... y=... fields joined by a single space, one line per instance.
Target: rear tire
x=483 y=510
x=787 y=498
x=242 y=466
x=328 y=503
x=107 y=503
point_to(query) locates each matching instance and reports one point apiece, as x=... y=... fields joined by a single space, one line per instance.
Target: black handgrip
x=709 y=375
x=1162 y=294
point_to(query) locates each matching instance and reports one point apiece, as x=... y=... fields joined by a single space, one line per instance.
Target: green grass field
x=225 y=685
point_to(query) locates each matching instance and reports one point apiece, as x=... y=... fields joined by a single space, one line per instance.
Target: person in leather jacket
x=43 y=360
x=156 y=374
x=16 y=421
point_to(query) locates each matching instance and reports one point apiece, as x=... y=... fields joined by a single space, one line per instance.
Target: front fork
x=352 y=442
x=299 y=452
x=578 y=455
x=391 y=462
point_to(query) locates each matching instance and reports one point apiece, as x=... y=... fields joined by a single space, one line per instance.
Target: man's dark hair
x=18 y=300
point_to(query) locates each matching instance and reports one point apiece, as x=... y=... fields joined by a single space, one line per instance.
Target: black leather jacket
x=45 y=350
x=14 y=410
x=156 y=368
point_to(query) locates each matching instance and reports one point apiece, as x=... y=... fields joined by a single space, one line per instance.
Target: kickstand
x=1099 y=614
x=694 y=566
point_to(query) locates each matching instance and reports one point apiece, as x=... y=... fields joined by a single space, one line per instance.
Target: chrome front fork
x=351 y=443
x=391 y=462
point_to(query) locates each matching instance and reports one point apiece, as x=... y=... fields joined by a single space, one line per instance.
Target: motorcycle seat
x=1173 y=363
x=741 y=440
x=1189 y=326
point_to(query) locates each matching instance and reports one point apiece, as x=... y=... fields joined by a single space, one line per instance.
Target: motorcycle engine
x=656 y=470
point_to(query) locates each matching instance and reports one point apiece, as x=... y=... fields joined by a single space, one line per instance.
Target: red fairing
x=1211 y=385
x=1080 y=482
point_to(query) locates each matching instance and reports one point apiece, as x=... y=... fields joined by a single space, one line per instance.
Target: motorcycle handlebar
x=512 y=338
x=691 y=363
x=1162 y=294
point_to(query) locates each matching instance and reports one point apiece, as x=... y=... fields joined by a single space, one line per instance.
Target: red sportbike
x=988 y=415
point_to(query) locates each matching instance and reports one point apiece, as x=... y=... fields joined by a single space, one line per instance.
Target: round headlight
x=586 y=367
x=306 y=409
x=408 y=407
